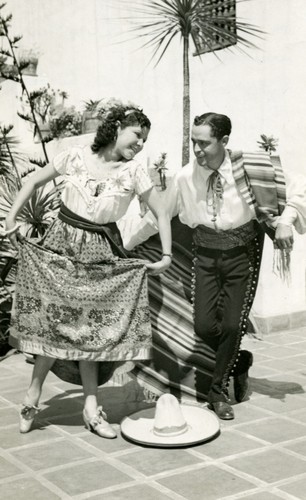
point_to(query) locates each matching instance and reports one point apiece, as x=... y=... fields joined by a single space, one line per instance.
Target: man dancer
x=229 y=198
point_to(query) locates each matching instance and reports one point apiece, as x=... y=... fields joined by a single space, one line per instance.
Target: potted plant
x=90 y=119
x=66 y=124
x=47 y=104
x=268 y=143
x=28 y=59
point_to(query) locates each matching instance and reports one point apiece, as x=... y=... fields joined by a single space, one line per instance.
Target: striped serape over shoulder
x=261 y=181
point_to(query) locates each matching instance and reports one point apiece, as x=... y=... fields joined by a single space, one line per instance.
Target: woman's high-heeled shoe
x=98 y=424
x=27 y=416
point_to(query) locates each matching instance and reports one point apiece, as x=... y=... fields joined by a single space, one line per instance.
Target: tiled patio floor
x=261 y=455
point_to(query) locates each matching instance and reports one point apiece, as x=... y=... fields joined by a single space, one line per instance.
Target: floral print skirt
x=76 y=300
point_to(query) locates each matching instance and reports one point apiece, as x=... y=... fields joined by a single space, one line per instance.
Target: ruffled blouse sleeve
x=142 y=180
x=61 y=161
x=296 y=203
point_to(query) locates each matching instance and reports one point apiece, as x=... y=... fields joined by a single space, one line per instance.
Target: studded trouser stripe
x=224 y=285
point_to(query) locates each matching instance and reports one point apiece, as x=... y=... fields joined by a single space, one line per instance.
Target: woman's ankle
x=32 y=396
x=90 y=406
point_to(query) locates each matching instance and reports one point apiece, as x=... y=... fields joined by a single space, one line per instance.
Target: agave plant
x=37 y=213
x=91 y=104
x=268 y=143
x=34 y=218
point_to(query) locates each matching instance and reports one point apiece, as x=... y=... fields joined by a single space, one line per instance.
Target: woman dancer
x=78 y=298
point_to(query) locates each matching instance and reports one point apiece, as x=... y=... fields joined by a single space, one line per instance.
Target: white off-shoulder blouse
x=99 y=201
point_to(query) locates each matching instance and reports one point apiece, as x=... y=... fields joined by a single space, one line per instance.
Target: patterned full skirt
x=76 y=300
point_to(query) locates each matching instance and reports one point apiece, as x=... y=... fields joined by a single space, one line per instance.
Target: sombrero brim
x=203 y=425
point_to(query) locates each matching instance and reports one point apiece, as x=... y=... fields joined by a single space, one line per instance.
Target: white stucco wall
x=262 y=92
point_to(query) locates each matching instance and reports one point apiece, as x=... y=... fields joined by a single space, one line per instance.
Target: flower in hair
x=106 y=106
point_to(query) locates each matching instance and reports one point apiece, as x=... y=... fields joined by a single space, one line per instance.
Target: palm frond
x=158 y=22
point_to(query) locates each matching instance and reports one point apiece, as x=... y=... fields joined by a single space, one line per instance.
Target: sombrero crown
x=169 y=419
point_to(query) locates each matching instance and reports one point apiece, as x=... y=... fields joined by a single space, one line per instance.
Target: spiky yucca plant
x=158 y=22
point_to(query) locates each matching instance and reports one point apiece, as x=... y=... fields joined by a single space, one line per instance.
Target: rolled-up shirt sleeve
x=295 y=210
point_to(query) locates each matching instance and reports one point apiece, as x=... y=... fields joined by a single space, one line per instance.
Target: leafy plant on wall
x=11 y=68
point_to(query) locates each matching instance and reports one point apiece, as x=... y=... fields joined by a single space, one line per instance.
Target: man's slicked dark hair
x=220 y=124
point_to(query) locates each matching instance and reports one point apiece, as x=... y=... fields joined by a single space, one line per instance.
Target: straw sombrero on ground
x=170 y=424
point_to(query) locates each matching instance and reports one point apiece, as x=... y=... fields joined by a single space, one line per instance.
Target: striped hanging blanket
x=261 y=181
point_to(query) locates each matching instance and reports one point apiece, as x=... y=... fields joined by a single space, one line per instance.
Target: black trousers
x=226 y=278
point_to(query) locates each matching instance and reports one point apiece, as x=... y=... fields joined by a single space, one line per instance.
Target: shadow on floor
x=273 y=388
x=117 y=402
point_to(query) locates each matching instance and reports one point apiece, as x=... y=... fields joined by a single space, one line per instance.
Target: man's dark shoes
x=241 y=381
x=222 y=409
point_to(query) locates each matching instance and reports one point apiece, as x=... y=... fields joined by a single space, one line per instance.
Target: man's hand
x=283 y=237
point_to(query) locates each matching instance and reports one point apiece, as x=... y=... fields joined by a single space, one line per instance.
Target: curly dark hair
x=107 y=131
x=220 y=124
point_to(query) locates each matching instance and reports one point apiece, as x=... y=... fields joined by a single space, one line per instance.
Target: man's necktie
x=214 y=194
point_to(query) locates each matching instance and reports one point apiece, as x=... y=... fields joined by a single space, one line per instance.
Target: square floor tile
x=7 y=469
x=228 y=443
x=245 y=412
x=257 y=345
x=60 y=406
x=301 y=359
x=17 y=396
x=26 y=489
x=263 y=495
x=281 y=351
x=274 y=430
x=72 y=424
x=4 y=403
x=51 y=454
x=260 y=357
x=262 y=371
x=209 y=483
x=153 y=461
x=296 y=488
x=284 y=339
x=286 y=365
x=87 y=477
x=269 y=465
x=13 y=383
x=140 y=491
x=299 y=415
x=11 y=437
x=5 y=372
x=279 y=403
x=297 y=447
x=8 y=416
x=108 y=445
